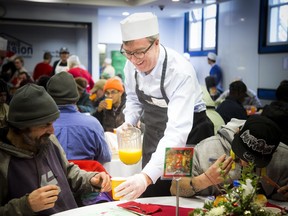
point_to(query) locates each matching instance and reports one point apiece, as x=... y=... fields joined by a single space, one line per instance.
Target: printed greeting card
x=178 y=162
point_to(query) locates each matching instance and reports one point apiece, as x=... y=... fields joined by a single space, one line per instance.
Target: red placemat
x=273 y=205
x=171 y=210
x=155 y=209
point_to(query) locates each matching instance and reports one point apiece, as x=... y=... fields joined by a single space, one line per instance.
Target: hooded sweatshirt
x=22 y=172
x=210 y=149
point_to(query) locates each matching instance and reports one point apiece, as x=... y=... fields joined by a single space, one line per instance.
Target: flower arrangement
x=240 y=200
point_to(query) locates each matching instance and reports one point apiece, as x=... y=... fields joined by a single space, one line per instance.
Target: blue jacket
x=81 y=136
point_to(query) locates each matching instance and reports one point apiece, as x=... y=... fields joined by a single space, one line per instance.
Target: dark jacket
x=22 y=172
x=111 y=119
x=231 y=108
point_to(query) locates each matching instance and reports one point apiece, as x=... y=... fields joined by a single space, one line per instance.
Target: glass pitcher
x=129 y=145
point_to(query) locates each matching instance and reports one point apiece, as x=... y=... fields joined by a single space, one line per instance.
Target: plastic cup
x=129 y=145
x=108 y=103
x=115 y=181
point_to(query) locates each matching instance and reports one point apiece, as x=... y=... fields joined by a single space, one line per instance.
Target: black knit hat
x=63 y=88
x=32 y=106
x=257 y=140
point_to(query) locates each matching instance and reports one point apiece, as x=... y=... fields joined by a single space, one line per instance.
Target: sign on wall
x=18 y=46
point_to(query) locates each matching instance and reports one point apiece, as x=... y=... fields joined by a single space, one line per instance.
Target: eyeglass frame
x=124 y=53
x=113 y=92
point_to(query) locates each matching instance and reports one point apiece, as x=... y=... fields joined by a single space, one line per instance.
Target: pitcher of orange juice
x=129 y=145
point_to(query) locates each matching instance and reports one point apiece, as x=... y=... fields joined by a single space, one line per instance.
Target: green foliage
x=236 y=201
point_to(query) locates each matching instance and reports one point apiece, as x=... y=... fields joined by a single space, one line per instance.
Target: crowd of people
x=59 y=115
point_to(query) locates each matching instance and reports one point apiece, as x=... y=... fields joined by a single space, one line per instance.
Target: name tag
x=159 y=102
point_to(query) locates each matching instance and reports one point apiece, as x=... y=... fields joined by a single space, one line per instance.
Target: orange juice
x=115 y=181
x=130 y=156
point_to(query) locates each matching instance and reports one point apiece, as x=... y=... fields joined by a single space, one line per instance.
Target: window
x=201 y=30
x=273 y=30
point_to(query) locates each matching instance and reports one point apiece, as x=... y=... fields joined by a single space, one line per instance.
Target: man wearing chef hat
x=162 y=88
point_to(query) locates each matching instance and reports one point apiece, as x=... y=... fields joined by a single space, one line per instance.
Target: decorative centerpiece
x=241 y=199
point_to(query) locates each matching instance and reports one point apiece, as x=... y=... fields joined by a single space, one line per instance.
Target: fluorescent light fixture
x=125 y=13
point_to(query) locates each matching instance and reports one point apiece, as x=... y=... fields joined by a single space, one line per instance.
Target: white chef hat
x=212 y=56
x=139 y=25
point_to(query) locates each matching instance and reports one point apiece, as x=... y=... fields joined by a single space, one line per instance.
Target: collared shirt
x=185 y=97
x=81 y=136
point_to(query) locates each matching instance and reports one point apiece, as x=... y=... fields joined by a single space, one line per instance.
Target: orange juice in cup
x=130 y=156
x=109 y=103
x=115 y=181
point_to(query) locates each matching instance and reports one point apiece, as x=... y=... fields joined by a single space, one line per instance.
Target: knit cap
x=98 y=85
x=81 y=84
x=63 y=89
x=32 y=106
x=113 y=83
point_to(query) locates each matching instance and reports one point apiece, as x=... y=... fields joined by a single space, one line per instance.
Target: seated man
x=232 y=106
x=36 y=178
x=257 y=141
x=251 y=99
x=112 y=118
x=278 y=110
x=81 y=136
x=84 y=103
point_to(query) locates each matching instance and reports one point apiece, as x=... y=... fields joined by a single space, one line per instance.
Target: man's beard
x=37 y=145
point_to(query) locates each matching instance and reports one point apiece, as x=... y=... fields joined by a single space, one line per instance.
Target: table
x=92 y=210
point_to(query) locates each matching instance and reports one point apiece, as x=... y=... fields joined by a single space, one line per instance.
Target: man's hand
x=284 y=190
x=132 y=188
x=101 y=180
x=123 y=127
x=102 y=105
x=43 y=198
x=219 y=169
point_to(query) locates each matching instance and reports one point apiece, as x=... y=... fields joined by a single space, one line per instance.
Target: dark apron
x=155 y=119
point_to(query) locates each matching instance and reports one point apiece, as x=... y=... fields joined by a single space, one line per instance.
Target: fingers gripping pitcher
x=129 y=145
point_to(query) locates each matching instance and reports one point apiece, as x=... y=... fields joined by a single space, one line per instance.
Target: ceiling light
x=125 y=13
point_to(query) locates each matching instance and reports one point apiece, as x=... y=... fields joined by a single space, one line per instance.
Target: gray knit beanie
x=63 y=88
x=32 y=106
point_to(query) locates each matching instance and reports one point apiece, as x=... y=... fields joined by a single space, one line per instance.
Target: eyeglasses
x=107 y=93
x=136 y=54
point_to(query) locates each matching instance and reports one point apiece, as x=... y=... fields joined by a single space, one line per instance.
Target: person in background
x=84 y=103
x=36 y=178
x=81 y=136
x=4 y=107
x=42 y=81
x=108 y=71
x=97 y=92
x=74 y=68
x=62 y=63
x=111 y=118
x=278 y=110
x=43 y=68
x=20 y=70
x=161 y=86
x=215 y=70
x=214 y=116
x=8 y=68
x=256 y=140
x=251 y=99
x=232 y=106
x=282 y=91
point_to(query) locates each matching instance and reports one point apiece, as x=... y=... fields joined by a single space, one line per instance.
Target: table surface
x=111 y=208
